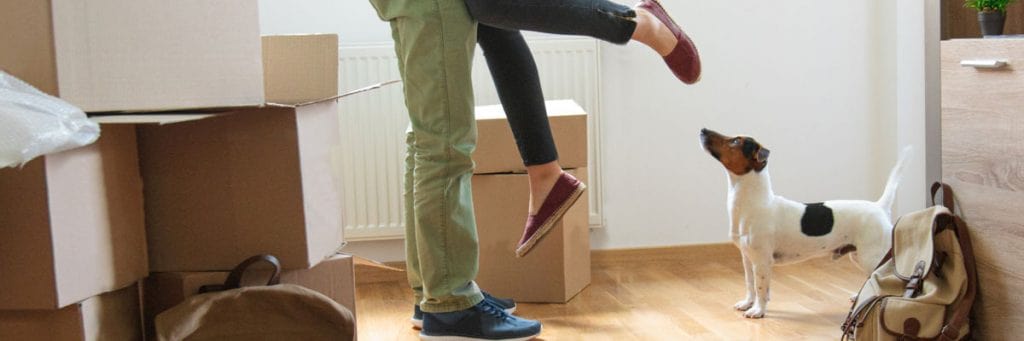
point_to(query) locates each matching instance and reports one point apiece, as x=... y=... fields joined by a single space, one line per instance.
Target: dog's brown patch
x=738 y=154
x=843 y=250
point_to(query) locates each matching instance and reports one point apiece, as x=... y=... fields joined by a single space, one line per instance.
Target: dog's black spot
x=776 y=255
x=758 y=156
x=817 y=220
x=750 y=147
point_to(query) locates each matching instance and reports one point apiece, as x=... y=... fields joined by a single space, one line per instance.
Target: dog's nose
x=703 y=131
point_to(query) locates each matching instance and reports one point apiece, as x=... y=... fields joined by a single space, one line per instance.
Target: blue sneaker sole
x=418 y=323
x=467 y=338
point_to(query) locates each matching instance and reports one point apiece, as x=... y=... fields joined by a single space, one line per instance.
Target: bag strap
x=951 y=331
x=857 y=314
x=234 y=279
x=947 y=195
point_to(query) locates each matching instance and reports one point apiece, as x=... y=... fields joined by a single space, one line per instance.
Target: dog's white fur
x=766 y=229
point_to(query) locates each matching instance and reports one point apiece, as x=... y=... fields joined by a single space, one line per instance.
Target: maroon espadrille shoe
x=684 y=61
x=562 y=196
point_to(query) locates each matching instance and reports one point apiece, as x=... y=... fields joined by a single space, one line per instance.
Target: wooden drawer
x=983 y=159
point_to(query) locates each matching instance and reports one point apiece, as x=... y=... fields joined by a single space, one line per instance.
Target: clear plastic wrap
x=33 y=123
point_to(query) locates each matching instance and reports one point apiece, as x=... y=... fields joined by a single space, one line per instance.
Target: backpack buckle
x=914 y=284
x=946 y=331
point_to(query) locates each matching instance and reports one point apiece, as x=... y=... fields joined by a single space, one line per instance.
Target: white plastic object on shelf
x=33 y=123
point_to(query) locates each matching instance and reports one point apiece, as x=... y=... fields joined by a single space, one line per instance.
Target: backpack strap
x=857 y=314
x=234 y=280
x=947 y=194
x=951 y=331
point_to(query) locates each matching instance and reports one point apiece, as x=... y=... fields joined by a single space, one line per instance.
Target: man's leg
x=412 y=259
x=434 y=40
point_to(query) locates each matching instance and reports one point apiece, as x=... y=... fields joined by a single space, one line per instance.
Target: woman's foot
x=655 y=28
x=652 y=32
x=563 y=194
x=542 y=179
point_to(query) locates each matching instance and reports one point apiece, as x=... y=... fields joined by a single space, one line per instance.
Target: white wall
x=918 y=92
x=355 y=21
x=814 y=81
x=811 y=80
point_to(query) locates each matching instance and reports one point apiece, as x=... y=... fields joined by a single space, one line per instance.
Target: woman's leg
x=515 y=77
x=601 y=19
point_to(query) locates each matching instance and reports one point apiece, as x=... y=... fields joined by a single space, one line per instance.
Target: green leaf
x=988 y=5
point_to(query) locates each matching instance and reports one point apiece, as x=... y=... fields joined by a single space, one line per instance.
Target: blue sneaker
x=506 y=304
x=484 y=321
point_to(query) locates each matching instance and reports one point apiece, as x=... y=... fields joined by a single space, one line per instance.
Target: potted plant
x=991 y=15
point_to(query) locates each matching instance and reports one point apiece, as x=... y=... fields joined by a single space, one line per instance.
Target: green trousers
x=434 y=41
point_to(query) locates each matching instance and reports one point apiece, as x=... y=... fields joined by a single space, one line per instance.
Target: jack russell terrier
x=772 y=230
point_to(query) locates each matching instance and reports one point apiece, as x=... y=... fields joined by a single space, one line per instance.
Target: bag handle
x=947 y=195
x=234 y=279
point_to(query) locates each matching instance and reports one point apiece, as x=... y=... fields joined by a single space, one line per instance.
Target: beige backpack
x=272 y=312
x=925 y=286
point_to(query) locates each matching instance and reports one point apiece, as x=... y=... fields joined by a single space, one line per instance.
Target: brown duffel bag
x=271 y=312
x=925 y=286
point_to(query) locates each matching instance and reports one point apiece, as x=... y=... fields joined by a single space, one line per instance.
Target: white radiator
x=372 y=152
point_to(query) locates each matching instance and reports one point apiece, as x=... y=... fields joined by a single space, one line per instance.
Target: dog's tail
x=889 y=196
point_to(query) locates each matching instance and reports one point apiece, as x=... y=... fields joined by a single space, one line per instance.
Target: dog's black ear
x=762 y=155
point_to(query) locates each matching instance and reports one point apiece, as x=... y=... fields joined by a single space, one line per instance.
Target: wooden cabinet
x=983 y=159
x=962 y=22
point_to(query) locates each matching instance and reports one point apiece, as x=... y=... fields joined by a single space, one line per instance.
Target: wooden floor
x=683 y=293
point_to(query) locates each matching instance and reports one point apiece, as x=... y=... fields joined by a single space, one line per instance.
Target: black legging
x=513 y=68
x=600 y=19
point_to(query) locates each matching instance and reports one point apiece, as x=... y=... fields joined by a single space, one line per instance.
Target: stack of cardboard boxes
x=95 y=241
x=559 y=266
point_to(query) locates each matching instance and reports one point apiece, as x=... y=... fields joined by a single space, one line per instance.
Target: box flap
x=564 y=107
x=335 y=97
x=300 y=68
x=23 y=234
x=162 y=118
x=152 y=118
x=96 y=215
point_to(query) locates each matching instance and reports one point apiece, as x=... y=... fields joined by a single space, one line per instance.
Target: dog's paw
x=743 y=305
x=754 y=313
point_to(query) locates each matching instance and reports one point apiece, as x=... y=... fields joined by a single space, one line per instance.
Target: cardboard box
x=136 y=55
x=72 y=225
x=300 y=68
x=496 y=150
x=221 y=187
x=333 y=277
x=556 y=269
x=111 y=316
x=297 y=70
x=224 y=188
